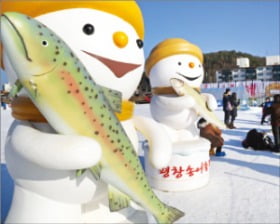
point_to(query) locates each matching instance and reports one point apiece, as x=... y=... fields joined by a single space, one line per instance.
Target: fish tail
x=170 y=215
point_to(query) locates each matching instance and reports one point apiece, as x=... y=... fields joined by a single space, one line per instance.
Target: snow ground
x=244 y=186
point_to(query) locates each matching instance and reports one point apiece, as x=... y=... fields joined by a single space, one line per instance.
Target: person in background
x=233 y=114
x=214 y=135
x=227 y=106
x=274 y=111
x=265 y=105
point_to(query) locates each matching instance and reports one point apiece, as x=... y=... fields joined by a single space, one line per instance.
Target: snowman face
x=107 y=45
x=187 y=68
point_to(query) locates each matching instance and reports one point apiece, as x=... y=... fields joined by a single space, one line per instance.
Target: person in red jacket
x=274 y=111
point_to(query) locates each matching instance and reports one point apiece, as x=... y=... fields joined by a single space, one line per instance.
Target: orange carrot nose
x=191 y=65
x=120 y=39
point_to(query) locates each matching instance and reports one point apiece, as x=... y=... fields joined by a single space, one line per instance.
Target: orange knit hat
x=127 y=10
x=171 y=47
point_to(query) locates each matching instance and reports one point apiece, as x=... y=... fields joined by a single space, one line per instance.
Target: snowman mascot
x=107 y=36
x=189 y=166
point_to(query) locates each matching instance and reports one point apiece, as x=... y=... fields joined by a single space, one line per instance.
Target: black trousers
x=227 y=116
x=276 y=134
x=219 y=149
x=263 y=117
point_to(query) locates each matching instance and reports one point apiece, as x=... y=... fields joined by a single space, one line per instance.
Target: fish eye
x=45 y=43
x=140 y=43
x=88 y=29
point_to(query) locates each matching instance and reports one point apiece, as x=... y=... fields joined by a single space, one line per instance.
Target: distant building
x=272 y=60
x=243 y=62
x=239 y=74
x=224 y=75
x=6 y=87
x=236 y=74
x=264 y=73
x=270 y=72
x=276 y=72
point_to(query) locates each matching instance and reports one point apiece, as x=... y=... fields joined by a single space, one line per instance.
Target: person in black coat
x=233 y=114
x=274 y=111
x=227 y=107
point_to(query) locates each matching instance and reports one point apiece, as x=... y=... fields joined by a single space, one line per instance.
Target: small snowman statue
x=188 y=169
x=107 y=36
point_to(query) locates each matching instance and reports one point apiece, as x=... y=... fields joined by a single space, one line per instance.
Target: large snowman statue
x=189 y=166
x=107 y=36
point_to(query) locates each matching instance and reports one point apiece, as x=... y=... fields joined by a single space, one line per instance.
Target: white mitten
x=54 y=151
x=210 y=101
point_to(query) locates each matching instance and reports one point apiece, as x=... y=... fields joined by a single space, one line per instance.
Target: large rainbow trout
x=62 y=89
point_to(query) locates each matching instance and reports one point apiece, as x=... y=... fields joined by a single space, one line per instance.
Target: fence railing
x=253 y=91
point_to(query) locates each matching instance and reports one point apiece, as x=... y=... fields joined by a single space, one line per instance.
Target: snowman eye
x=140 y=43
x=45 y=43
x=179 y=63
x=88 y=29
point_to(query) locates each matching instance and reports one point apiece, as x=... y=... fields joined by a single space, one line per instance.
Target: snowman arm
x=53 y=151
x=210 y=101
x=160 y=146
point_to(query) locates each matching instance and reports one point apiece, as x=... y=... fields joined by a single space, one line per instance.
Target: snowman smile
x=187 y=77
x=117 y=67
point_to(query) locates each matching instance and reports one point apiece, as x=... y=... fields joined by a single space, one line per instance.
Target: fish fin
x=114 y=98
x=15 y=89
x=117 y=199
x=96 y=171
x=80 y=172
x=170 y=215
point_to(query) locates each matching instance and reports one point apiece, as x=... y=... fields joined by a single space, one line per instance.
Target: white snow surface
x=244 y=186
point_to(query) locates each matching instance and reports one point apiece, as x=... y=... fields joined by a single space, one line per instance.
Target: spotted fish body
x=61 y=88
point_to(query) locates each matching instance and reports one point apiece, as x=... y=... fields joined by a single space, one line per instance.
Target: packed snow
x=244 y=186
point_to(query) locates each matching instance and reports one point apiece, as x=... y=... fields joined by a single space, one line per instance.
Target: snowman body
x=188 y=168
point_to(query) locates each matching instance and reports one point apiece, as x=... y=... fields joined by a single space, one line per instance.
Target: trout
x=182 y=88
x=73 y=104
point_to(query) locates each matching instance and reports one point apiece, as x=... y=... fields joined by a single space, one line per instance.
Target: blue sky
x=250 y=26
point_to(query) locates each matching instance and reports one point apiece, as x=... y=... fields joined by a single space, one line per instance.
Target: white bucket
x=184 y=173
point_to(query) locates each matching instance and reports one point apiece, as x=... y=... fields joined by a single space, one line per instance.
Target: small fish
x=64 y=92
x=182 y=88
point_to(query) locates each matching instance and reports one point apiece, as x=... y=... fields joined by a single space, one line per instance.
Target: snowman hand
x=54 y=151
x=160 y=147
x=210 y=101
